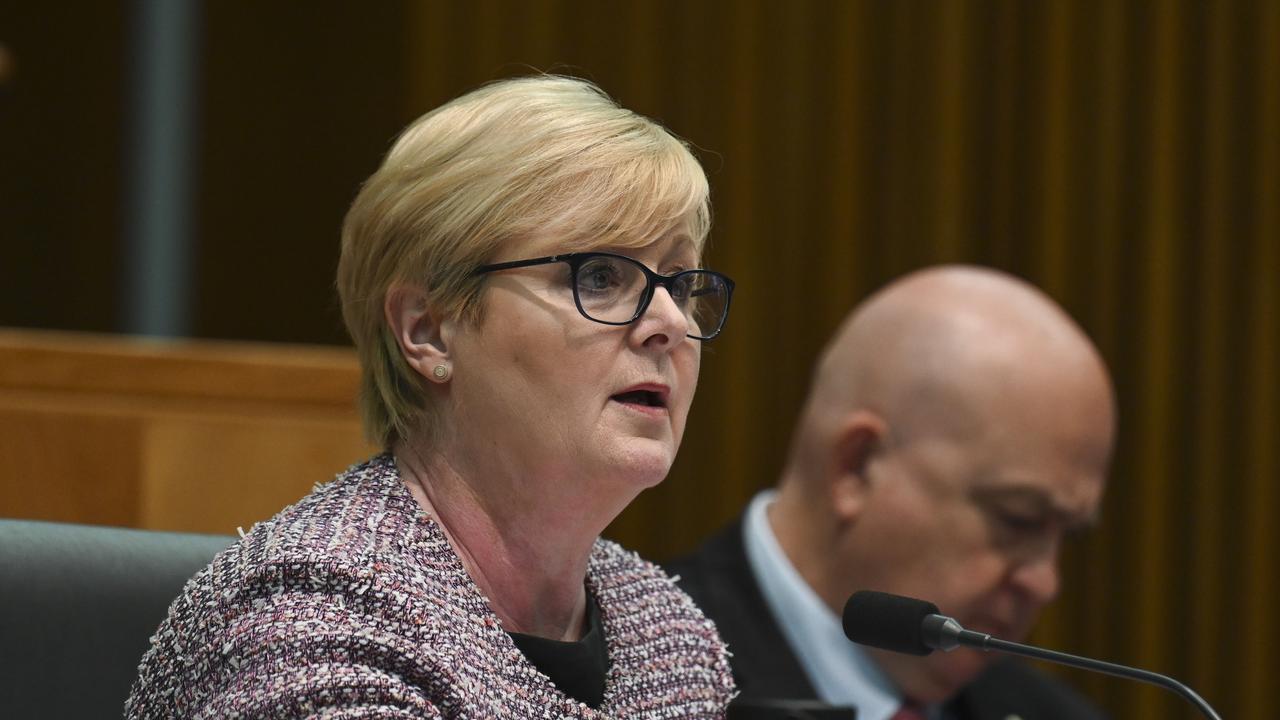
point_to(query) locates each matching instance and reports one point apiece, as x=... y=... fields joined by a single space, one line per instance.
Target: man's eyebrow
x=1043 y=502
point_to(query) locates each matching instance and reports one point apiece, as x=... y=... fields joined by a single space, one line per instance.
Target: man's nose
x=1038 y=577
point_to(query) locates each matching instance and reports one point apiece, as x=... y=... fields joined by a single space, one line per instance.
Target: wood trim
x=179 y=370
x=192 y=435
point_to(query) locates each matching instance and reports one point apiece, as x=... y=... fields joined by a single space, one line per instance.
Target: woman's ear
x=419 y=331
x=857 y=441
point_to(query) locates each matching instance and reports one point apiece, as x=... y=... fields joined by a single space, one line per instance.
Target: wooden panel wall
x=191 y=435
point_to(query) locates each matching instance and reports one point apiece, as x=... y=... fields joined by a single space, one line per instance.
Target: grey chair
x=78 y=605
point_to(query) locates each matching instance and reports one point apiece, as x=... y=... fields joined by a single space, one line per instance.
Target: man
x=959 y=426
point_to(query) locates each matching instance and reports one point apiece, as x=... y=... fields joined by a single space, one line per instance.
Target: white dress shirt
x=840 y=672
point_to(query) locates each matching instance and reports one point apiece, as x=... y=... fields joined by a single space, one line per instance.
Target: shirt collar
x=841 y=673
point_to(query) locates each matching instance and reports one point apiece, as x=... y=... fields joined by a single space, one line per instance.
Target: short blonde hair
x=494 y=166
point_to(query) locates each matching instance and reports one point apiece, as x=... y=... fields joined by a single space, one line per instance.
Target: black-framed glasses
x=615 y=289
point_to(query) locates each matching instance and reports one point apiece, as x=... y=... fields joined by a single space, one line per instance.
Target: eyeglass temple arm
x=519 y=264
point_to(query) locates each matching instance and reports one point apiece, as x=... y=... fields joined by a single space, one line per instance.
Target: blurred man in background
x=958 y=428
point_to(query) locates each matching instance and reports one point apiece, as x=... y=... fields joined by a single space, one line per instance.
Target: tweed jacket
x=352 y=604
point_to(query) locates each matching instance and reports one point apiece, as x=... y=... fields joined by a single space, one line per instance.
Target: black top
x=577 y=668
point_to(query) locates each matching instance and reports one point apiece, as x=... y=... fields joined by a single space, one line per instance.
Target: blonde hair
x=494 y=166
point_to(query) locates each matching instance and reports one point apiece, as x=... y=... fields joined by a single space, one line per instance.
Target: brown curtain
x=1123 y=156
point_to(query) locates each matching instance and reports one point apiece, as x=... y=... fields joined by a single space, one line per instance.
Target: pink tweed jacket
x=351 y=604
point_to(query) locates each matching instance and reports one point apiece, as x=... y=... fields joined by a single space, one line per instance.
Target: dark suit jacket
x=720 y=580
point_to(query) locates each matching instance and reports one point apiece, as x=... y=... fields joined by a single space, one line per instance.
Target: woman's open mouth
x=646 y=399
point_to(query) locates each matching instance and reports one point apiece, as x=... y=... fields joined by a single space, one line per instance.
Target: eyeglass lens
x=610 y=289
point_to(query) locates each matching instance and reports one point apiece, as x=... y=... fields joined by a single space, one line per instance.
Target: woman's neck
x=528 y=558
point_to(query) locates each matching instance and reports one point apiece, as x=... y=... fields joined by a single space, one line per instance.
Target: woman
x=521 y=279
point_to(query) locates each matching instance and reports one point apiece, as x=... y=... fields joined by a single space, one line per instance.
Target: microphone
x=906 y=625
x=888 y=622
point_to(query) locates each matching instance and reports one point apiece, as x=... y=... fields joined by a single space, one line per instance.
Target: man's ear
x=857 y=441
x=419 y=331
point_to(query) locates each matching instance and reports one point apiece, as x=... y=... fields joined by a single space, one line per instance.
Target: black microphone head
x=888 y=622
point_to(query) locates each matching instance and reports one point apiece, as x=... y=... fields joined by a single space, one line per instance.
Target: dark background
x=1124 y=156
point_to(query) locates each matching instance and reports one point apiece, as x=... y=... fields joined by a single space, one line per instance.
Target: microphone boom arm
x=944 y=633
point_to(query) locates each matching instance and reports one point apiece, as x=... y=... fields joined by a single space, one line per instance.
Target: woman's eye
x=683 y=289
x=598 y=276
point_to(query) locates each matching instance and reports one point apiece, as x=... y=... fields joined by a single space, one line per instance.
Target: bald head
x=958 y=427
x=936 y=349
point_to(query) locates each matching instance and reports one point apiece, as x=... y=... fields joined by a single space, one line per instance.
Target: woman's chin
x=643 y=463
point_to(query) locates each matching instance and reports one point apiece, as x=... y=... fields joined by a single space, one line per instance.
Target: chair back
x=78 y=606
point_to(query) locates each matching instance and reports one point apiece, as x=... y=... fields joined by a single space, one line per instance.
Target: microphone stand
x=944 y=633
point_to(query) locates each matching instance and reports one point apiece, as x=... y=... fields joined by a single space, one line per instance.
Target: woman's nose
x=663 y=322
